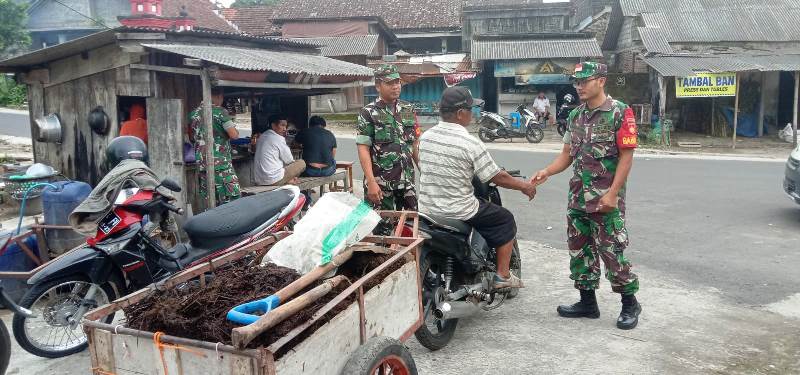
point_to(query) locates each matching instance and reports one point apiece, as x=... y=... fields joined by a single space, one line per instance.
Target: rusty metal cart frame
x=261 y=361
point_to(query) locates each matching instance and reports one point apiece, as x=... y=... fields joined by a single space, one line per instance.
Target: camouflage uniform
x=595 y=137
x=225 y=180
x=390 y=132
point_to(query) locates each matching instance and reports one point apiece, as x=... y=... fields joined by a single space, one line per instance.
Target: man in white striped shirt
x=449 y=158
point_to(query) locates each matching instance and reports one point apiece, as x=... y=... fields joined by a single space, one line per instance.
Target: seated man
x=319 y=148
x=274 y=163
x=449 y=158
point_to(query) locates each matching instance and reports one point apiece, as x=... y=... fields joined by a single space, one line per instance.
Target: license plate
x=109 y=222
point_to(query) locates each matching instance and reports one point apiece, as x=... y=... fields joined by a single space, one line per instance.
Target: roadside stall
x=91 y=85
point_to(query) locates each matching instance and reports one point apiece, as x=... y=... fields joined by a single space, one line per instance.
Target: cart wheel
x=381 y=356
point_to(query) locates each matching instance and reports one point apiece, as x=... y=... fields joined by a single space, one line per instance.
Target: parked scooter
x=123 y=257
x=457 y=266
x=494 y=126
x=5 y=339
x=563 y=113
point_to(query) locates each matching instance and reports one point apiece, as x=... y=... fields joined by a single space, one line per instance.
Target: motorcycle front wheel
x=484 y=135
x=535 y=134
x=5 y=348
x=516 y=269
x=433 y=334
x=50 y=334
x=562 y=128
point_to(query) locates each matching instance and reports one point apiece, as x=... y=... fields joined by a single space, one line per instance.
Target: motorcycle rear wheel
x=535 y=134
x=50 y=301
x=432 y=269
x=484 y=135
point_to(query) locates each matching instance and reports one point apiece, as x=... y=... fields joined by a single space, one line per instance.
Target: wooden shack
x=170 y=72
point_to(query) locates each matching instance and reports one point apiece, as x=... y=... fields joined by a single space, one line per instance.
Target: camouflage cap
x=590 y=69
x=387 y=72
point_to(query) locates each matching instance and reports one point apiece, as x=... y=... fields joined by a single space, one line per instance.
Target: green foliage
x=11 y=94
x=248 y=3
x=12 y=26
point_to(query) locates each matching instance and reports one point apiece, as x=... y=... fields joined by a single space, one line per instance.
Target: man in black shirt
x=319 y=148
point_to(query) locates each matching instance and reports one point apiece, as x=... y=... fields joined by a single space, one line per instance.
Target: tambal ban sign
x=706 y=85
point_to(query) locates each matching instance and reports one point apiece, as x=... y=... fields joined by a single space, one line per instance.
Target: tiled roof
x=398 y=14
x=255 y=20
x=204 y=11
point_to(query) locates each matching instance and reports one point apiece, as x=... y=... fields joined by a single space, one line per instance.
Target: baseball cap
x=590 y=69
x=458 y=97
x=387 y=72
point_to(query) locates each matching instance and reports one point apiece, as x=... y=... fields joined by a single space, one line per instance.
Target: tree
x=249 y=3
x=13 y=36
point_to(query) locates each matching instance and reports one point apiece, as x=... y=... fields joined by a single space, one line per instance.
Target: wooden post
x=796 y=98
x=208 y=124
x=761 y=106
x=713 y=123
x=736 y=110
x=662 y=107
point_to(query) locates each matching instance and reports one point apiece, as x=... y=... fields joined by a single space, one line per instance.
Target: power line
x=82 y=15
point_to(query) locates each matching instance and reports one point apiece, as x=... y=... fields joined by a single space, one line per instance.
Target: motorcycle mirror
x=170 y=185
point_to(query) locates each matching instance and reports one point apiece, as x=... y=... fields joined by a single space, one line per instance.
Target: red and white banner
x=453 y=79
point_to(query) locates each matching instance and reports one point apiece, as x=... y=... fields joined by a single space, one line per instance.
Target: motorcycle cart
x=364 y=338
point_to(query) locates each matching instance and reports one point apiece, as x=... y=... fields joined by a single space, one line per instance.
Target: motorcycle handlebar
x=172 y=208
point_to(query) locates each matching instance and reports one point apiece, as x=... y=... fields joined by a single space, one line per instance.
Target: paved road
x=720 y=224
x=14 y=123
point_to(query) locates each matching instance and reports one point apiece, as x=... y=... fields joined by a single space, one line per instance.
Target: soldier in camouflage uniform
x=226 y=183
x=387 y=136
x=599 y=143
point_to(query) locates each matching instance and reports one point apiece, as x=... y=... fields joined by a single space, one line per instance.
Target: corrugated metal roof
x=719 y=20
x=632 y=8
x=687 y=65
x=510 y=49
x=266 y=60
x=654 y=40
x=344 y=45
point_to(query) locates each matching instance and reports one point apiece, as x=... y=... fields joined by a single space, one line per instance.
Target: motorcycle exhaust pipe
x=455 y=310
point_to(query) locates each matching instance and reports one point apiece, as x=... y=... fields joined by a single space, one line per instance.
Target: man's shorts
x=495 y=223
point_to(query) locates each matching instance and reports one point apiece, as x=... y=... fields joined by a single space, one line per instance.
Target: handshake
x=529 y=188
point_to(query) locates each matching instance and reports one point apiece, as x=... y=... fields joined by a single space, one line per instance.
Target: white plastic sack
x=787 y=134
x=336 y=221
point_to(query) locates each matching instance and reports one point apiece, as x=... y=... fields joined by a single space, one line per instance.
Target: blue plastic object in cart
x=13 y=259
x=246 y=312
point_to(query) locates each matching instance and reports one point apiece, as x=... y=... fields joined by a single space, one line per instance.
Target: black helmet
x=569 y=98
x=125 y=147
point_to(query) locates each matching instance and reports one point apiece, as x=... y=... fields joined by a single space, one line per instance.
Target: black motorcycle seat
x=185 y=254
x=219 y=225
x=447 y=223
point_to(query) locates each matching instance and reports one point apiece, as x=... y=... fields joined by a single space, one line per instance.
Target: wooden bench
x=307 y=183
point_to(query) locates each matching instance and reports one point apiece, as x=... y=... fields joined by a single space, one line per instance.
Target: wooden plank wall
x=166 y=145
x=81 y=153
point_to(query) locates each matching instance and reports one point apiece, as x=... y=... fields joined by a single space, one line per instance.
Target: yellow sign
x=706 y=85
x=547 y=68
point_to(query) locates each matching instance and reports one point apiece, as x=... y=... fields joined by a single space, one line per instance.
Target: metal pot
x=49 y=129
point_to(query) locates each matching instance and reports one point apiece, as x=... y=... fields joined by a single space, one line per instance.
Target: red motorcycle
x=124 y=257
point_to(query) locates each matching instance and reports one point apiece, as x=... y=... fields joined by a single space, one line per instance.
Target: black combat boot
x=629 y=317
x=585 y=308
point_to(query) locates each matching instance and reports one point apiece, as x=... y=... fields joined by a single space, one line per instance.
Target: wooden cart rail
x=44 y=251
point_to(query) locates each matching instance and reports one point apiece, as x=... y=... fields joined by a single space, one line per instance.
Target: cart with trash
x=365 y=337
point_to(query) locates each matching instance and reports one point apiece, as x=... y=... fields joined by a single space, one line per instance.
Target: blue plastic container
x=58 y=204
x=14 y=259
